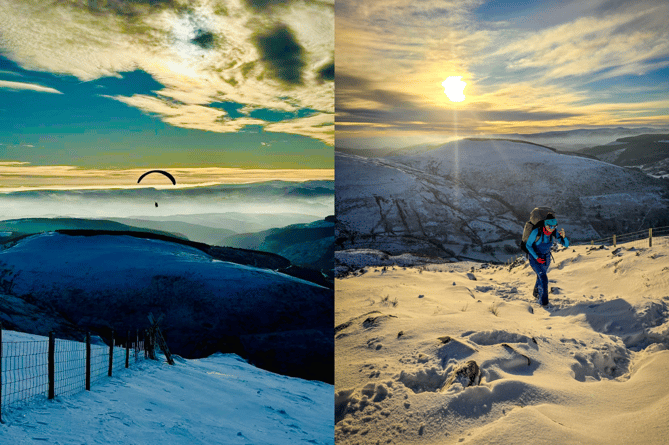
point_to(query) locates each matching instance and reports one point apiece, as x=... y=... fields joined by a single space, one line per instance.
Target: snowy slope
x=648 y=152
x=214 y=400
x=591 y=369
x=113 y=282
x=470 y=198
x=308 y=245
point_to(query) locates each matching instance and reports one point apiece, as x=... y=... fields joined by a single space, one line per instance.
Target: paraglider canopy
x=174 y=181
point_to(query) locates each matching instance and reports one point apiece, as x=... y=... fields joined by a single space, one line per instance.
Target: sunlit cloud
x=592 y=44
x=17 y=176
x=27 y=86
x=526 y=73
x=202 y=52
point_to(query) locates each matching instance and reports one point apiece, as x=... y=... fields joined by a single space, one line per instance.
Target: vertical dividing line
x=127 y=350
x=1 y=373
x=88 y=361
x=51 y=366
x=111 y=353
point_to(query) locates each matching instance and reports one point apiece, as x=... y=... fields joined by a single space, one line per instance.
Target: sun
x=454 y=88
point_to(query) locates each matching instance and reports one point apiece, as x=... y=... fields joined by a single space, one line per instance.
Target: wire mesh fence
x=37 y=369
x=70 y=367
x=23 y=373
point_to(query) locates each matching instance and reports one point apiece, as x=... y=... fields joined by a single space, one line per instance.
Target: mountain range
x=648 y=152
x=469 y=199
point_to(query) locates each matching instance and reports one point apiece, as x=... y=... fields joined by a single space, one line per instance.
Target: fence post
x=111 y=353
x=51 y=365
x=1 y=373
x=614 y=241
x=650 y=237
x=127 y=350
x=88 y=361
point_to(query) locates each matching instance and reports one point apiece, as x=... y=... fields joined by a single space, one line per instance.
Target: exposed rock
x=467 y=375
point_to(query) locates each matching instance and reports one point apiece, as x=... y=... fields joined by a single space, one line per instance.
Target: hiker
x=539 y=245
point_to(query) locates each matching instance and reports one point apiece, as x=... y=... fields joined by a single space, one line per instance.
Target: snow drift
x=213 y=400
x=590 y=369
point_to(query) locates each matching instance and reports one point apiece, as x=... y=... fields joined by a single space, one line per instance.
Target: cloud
x=21 y=86
x=282 y=54
x=527 y=73
x=22 y=176
x=591 y=45
x=202 y=52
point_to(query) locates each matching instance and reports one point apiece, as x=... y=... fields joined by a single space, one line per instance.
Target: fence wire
x=638 y=239
x=24 y=370
x=70 y=367
x=25 y=367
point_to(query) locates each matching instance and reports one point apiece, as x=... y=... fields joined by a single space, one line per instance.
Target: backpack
x=537 y=217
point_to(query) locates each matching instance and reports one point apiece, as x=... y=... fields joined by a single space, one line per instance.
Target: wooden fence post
x=111 y=353
x=88 y=361
x=51 y=364
x=127 y=350
x=614 y=241
x=650 y=237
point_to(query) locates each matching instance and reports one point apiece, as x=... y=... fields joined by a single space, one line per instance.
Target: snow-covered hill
x=214 y=400
x=307 y=245
x=470 y=198
x=103 y=282
x=590 y=369
x=648 y=152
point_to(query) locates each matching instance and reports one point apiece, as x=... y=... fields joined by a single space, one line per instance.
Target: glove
x=562 y=233
x=541 y=261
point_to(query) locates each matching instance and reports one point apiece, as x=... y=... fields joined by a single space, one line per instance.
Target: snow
x=466 y=199
x=122 y=261
x=589 y=369
x=214 y=400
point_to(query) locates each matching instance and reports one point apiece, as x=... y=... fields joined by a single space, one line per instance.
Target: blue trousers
x=542 y=278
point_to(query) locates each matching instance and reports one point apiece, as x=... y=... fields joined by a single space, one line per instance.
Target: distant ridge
x=244 y=257
x=520 y=141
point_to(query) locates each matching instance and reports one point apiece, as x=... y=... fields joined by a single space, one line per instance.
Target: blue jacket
x=539 y=244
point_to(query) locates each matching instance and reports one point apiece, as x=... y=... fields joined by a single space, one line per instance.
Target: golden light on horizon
x=454 y=88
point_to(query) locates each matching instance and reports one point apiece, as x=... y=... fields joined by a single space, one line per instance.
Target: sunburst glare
x=454 y=88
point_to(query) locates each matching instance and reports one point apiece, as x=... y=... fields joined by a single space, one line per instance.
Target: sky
x=117 y=85
x=529 y=67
